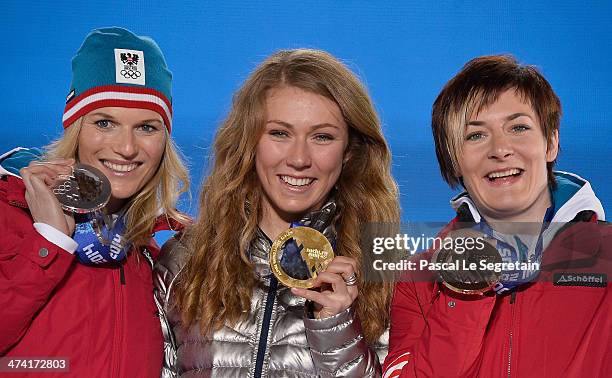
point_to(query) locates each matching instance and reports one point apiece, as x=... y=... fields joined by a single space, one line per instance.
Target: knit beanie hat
x=115 y=67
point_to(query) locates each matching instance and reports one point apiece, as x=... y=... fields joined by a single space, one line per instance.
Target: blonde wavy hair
x=217 y=283
x=157 y=197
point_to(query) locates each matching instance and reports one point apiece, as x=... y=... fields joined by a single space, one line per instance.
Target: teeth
x=120 y=167
x=297 y=182
x=508 y=172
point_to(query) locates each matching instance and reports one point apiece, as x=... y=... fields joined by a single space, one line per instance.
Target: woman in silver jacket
x=302 y=143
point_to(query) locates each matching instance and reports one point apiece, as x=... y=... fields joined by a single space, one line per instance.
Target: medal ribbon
x=332 y=241
x=92 y=251
x=511 y=279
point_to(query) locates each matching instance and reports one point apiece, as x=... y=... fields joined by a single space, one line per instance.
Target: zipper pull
x=512 y=296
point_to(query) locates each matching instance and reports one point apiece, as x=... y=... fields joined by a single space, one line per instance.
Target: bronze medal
x=469 y=281
x=298 y=255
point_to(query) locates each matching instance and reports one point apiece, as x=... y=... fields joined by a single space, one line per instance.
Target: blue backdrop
x=404 y=51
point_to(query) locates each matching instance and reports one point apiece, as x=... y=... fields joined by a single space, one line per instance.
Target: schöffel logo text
x=580 y=279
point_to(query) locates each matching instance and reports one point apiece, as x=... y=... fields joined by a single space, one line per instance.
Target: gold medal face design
x=298 y=255
x=469 y=281
x=85 y=190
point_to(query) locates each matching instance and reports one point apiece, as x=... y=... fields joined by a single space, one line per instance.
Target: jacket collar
x=577 y=245
x=572 y=229
x=9 y=169
x=572 y=196
x=165 y=223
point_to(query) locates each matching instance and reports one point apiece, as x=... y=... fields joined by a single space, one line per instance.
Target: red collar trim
x=165 y=223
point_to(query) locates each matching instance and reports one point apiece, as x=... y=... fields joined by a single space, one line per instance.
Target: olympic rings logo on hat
x=130 y=66
x=130 y=73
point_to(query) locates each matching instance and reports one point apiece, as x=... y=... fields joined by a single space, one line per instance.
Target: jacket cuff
x=338 y=347
x=342 y=328
x=56 y=237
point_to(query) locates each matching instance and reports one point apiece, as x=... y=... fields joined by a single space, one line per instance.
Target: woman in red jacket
x=68 y=297
x=496 y=130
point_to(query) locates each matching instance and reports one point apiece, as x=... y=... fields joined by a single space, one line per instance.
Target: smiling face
x=126 y=144
x=503 y=161
x=300 y=153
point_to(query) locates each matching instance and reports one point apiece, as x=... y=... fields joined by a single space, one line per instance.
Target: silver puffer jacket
x=276 y=339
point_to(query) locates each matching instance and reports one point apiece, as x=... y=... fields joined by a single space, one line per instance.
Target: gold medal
x=298 y=255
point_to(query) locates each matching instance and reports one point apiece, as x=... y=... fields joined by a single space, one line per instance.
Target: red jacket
x=103 y=320
x=541 y=330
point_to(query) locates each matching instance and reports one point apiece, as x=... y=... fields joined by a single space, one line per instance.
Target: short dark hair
x=478 y=85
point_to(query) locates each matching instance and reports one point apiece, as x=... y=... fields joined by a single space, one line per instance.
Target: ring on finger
x=351 y=280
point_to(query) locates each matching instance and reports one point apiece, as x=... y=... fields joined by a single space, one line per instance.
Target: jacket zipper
x=117 y=350
x=121 y=275
x=265 y=327
x=512 y=299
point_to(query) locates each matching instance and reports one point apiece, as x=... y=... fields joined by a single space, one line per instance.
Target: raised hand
x=337 y=288
x=39 y=178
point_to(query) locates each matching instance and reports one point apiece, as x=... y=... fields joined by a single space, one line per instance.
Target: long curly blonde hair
x=157 y=197
x=216 y=285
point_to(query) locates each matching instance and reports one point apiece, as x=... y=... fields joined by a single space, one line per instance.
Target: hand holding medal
x=39 y=178
x=79 y=190
x=302 y=258
x=86 y=190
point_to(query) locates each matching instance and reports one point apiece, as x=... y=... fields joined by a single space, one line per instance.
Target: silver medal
x=85 y=190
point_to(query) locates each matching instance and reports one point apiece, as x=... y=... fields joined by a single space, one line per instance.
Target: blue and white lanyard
x=92 y=251
x=511 y=279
